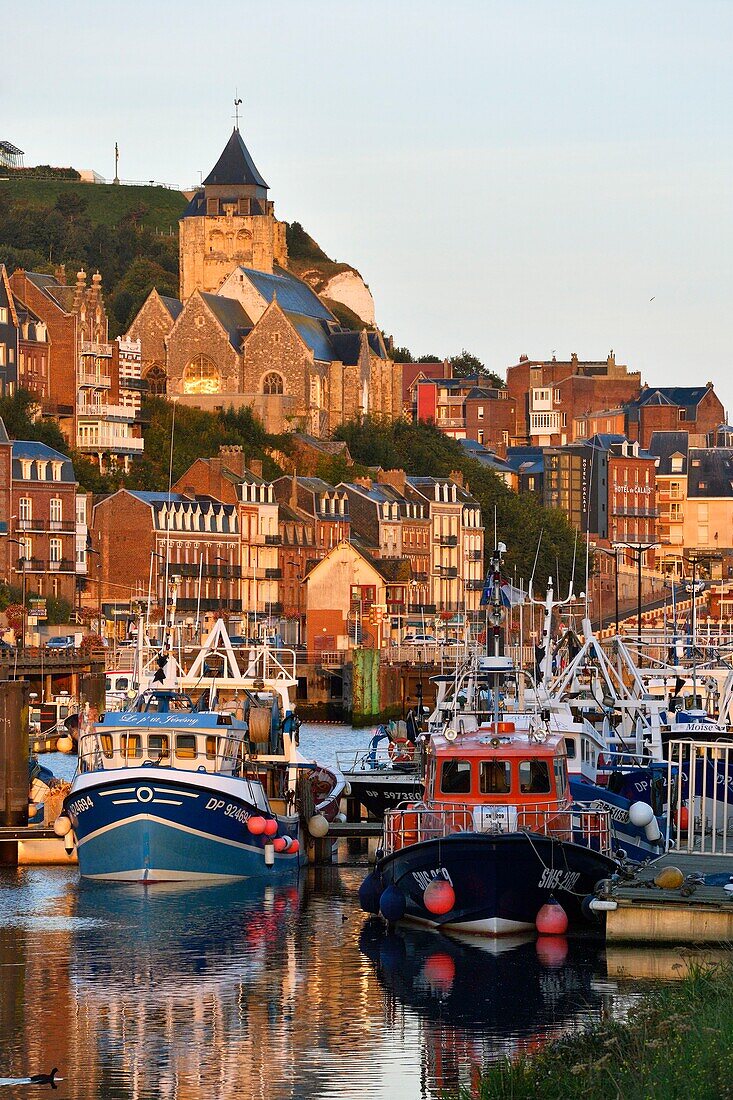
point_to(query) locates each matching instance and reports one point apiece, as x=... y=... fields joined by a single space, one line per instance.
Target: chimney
x=255 y=466
x=365 y=481
x=79 y=290
x=395 y=478
x=294 y=491
x=457 y=477
x=59 y=273
x=233 y=458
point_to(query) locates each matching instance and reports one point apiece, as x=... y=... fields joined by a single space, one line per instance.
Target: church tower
x=229 y=223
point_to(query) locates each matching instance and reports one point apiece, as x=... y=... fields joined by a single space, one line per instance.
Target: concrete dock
x=691 y=914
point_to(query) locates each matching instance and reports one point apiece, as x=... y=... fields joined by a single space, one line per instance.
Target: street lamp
x=613 y=553
x=22 y=562
x=639 y=549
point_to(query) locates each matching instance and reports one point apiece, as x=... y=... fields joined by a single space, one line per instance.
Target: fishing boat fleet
x=510 y=805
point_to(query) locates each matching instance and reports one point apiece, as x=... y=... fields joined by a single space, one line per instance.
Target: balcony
x=421 y=609
x=450 y=421
x=63 y=565
x=543 y=422
x=447 y=572
x=99 y=351
x=106 y=412
x=475 y=555
x=41 y=565
x=273 y=574
x=474 y=585
x=273 y=540
x=95 y=379
x=194 y=569
x=208 y=605
x=103 y=439
x=421 y=578
x=448 y=540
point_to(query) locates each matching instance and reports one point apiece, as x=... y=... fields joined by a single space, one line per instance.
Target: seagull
x=652 y=297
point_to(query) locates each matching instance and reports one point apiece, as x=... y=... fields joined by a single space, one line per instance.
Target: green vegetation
x=128 y=234
x=17 y=414
x=421 y=449
x=678 y=1042
x=463 y=365
x=305 y=255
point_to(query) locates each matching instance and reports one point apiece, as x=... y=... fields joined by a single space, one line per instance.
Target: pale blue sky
x=515 y=176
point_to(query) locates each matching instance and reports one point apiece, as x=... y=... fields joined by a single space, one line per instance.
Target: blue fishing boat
x=170 y=791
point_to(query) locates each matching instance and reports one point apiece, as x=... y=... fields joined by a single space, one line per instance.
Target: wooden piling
x=13 y=762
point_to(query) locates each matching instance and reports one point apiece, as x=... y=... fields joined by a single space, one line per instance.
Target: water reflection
x=247 y=990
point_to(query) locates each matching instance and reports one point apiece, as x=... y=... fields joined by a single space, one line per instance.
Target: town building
x=670 y=451
x=551 y=394
x=464 y=408
x=352 y=599
x=93 y=385
x=575 y=482
x=696 y=410
x=8 y=337
x=144 y=539
x=43 y=521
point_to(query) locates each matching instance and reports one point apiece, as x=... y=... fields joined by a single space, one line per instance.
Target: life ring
x=401 y=751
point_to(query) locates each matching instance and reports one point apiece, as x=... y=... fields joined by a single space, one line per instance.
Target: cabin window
x=107 y=684
x=570 y=747
x=130 y=746
x=534 y=777
x=186 y=746
x=496 y=777
x=122 y=683
x=455 y=777
x=561 y=776
x=158 y=745
x=211 y=748
x=105 y=741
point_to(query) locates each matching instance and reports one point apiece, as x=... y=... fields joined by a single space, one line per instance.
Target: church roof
x=173 y=305
x=231 y=316
x=314 y=334
x=293 y=295
x=234 y=166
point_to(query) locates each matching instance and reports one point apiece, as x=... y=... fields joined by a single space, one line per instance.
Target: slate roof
x=687 y=397
x=347 y=345
x=663 y=445
x=3 y=432
x=314 y=333
x=235 y=166
x=231 y=316
x=173 y=305
x=293 y=295
x=710 y=472
x=31 y=449
x=63 y=296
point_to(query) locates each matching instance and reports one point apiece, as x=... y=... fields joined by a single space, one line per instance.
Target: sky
x=509 y=176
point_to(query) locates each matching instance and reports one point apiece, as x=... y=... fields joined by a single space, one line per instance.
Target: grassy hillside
x=105 y=203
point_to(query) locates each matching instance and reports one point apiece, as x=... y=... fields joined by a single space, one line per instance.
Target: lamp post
x=639 y=549
x=613 y=553
x=97 y=553
x=22 y=562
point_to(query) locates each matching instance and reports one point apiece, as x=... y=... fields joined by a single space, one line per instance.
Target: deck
x=645 y=913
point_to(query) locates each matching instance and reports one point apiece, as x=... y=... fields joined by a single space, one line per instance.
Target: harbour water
x=249 y=990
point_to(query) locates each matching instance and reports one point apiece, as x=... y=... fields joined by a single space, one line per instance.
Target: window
x=495 y=777
x=54 y=550
x=3 y=315
x=534 y=777
x=570 y=748
x=186 y=746
x=105 y=741
x=201 y=376
x=158 y=746
x=480 y=412
x=480 y=437
x=25 y=509
x=131 y=746
x=272 y=383
x=56 y=509
x=211 y=748
x=681 y=414
x=561 y=776
x=455 y=777
x=57 y=470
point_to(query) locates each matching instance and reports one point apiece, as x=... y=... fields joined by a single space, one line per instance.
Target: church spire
x=235 y=166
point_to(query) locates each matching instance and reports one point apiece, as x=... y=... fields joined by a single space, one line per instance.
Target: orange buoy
x=552 y=920
x=682 y=819
x=270 y=827
x=439 y=897
x=256 y=825
x=279 y=843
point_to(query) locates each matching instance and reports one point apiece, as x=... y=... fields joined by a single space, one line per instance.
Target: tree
x=466 y=364
x=402 y=355
x=21 y=417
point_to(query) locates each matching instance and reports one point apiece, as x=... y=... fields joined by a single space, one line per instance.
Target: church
x=247 y=331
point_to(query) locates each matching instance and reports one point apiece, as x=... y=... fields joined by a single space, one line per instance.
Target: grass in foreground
x=678 y=1042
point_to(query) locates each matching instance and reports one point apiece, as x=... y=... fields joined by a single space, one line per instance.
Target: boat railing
x=613 y=760
x=699 y=808
x=565 y=821
x=365 y=760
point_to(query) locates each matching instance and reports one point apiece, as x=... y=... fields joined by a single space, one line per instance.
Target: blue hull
x=500 y=880
x=625 y=835
x=162 y=826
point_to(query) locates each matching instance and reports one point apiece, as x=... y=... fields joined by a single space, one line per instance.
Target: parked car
x=64 y=641
x=419 y=639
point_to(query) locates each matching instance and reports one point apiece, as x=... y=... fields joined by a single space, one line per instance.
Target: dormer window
x=56 y=467
x=212 y=207
x=25 y=467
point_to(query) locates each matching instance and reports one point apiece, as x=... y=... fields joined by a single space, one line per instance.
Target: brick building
x=696 y=410
x=551 y=394
x=93 y=385
x=464 y=408
x=141 y=538
x=6 y=476
x=43 y=520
